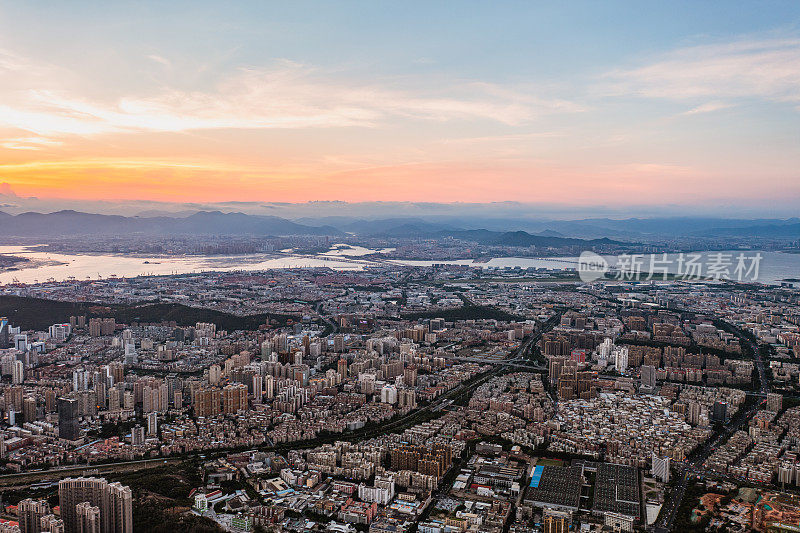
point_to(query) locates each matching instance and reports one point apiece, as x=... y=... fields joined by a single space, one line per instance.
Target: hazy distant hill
x=775 y=231
x=628 y=229
x=521 y=238
x=386 y=226
x=509 y=232
x=499 y=238
x=63 y=223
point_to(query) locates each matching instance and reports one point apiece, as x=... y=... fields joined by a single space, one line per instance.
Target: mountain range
x=65 y=223
x=78 y=224
x=627 y=229
x=484 y=230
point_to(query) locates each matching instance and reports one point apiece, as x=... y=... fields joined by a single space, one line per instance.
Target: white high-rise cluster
x=621 y=359
x=604 y=350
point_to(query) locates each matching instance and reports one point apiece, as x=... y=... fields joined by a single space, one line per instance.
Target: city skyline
x=683 y=105
x=399 y=267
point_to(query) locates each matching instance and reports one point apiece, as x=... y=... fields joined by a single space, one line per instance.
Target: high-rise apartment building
x=207 y=402
x=68 y=427
x=30 y=513
x=137 y=436
x=51 y=524
x=258 y=388
x=18 y=373
x=338 y=343
x=152 y=424
x=648 y=377
x=234 y=398
x=119 y=513
x=660 y=468
x=88 y=518
x=117 y=371
x=433 y=461
x=92 y=502
x=774 y=402
x=214 y=374
x=720 y=413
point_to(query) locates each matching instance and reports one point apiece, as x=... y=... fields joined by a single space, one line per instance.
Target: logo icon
x=591 y=267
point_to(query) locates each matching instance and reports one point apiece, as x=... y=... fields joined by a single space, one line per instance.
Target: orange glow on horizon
x=164 y=180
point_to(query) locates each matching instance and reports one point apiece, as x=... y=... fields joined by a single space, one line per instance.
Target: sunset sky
x=571 y=103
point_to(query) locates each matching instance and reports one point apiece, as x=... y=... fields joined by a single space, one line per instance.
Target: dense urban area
x=399 y=398
x=422 y=266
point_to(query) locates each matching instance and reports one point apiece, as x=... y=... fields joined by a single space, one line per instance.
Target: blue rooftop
x=537 y=476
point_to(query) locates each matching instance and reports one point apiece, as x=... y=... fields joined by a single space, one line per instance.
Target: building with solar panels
x=555 y=487
x=616 y=490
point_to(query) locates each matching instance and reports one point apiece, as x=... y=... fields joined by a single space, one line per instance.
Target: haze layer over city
x=399 y=267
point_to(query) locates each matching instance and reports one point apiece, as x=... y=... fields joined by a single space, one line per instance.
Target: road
x=332 y=324
x=25 y=479
x=669 y=511
x=399 y=424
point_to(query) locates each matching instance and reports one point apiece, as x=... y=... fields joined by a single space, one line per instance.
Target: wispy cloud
x=709 y=107
x=285 y=95
x=29 y=143
x=160 y=59
x=767 y=69
x=11 y=62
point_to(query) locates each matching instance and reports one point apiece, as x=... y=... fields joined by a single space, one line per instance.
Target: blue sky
x=630 y=102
